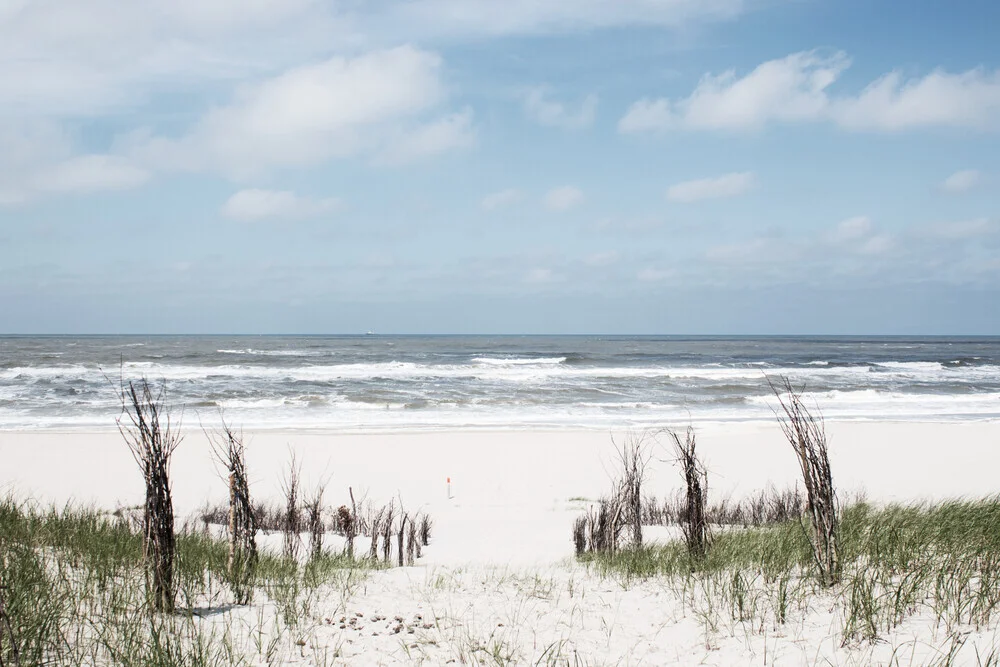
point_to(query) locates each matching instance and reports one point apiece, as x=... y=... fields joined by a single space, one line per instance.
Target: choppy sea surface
x=376 y=382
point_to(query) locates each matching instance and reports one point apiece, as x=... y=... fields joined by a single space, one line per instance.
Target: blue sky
x=463 y=166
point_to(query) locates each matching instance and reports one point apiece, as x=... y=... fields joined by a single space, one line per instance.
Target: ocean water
x=358 y=383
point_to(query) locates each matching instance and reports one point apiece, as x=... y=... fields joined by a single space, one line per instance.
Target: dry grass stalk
x=807 y=435
x=314 y=512
x=145 y=425
x=693 y=519
x=292 y=525
x=229 y=451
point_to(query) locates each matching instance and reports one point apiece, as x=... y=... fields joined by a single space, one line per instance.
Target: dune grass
x=74 y=591
x=942 y=559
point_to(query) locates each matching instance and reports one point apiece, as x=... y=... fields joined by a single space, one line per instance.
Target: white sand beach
x=500 y=570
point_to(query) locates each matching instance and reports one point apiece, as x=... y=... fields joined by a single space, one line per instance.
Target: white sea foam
x=517 y=361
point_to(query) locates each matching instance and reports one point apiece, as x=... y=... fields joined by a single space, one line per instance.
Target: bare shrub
x=292 y=524
x=604 y=524
x=403 y=518
x=345 y=522
x=580 y=535
x=387 y=523
x=375 y=521
x=412 y=543
x=145 y=425
x=314 y=520
x=693 y=518
x=807 y=435
x=633 y=458
x=230 y=453
x=764 y=507
x=426 y=525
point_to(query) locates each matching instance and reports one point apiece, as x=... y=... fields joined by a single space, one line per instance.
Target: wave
x=518 y=361
x=521 y=370
x=276 y=353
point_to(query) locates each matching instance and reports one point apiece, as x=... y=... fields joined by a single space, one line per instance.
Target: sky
x=487 y=166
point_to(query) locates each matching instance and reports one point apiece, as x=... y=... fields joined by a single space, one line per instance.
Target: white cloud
x=454 y=132
x=877 y=245
x=563 y=199
x=540 y=276
x=789 y=89
x=310 y=114
x=652 y=275
x=729 y=185
x=603 y=258
x=254 y=204
x=970 y=99
x=647 y=115
x=796 y=89
x=91 y=173
x=501 y=199
x=963 y=181
x=91 y=56
x=755 y=250
x=962 y=229
x=37 y=159
x=852 y=229
x=545 y=111
x=468 y=19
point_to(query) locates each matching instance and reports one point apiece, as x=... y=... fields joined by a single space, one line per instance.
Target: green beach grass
x=898 y=560
x=74 y=593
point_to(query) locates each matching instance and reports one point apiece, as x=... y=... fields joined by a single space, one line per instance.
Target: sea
x=381 y=382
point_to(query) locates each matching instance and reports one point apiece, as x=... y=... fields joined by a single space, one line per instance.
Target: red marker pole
x=449 y=488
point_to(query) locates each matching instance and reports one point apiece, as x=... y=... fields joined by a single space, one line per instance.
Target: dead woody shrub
x=346 y=523
x=374 y=527
x=314 y=519
x=633 y=458
x=692 y=516
x=387 y=524
x=426 y=525
x=145 y=425
x=230 y=453
x=292 y=524
x=412 y=543
x=602 y=528
x=401 y=535
x=807 y=435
